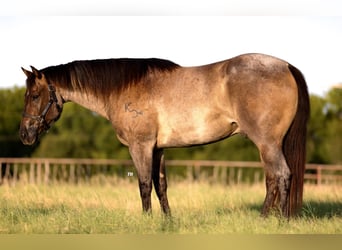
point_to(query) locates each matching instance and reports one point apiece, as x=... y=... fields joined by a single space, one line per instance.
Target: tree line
x=81 y=133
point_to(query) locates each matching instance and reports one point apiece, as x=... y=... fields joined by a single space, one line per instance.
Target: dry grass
x=196 y=208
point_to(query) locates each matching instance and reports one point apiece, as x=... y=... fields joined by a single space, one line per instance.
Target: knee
x=145 y=187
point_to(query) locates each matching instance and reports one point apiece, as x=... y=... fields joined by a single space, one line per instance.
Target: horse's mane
x=102 y=77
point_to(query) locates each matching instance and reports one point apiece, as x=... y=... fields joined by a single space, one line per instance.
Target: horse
x=154 y=104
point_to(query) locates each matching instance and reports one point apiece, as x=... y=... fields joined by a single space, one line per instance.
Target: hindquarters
x=271 y=105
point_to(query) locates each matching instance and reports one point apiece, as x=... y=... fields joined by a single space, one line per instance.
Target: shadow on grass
x=312 y=209
x=315 y=209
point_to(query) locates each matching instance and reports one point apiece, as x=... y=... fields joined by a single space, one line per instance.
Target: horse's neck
x=88 y=101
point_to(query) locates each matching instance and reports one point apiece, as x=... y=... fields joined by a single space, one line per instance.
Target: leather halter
x=52 y=99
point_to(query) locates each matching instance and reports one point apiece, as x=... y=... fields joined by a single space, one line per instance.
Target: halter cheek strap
x=52 y=99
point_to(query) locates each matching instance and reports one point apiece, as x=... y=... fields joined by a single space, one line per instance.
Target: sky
x=312 y=43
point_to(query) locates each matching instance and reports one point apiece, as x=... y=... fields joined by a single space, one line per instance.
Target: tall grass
x=196 y=208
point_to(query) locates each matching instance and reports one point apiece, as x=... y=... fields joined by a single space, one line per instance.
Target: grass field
x=196 y=208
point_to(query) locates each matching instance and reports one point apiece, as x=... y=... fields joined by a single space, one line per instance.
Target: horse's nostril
x=22 y=133
x=28 y=136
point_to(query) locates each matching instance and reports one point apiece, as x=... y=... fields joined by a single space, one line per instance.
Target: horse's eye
x=35 y=97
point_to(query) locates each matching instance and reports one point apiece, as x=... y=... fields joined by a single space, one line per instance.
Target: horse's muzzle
x=28 y=136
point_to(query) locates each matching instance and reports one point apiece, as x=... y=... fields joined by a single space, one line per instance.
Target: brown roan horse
x=155 y=104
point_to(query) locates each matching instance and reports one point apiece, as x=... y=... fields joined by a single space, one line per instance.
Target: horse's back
x=251 y=93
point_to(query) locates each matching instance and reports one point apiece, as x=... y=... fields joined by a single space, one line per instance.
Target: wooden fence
x=47 y=170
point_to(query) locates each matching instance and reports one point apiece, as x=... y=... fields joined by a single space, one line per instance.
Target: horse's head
x=42 y=106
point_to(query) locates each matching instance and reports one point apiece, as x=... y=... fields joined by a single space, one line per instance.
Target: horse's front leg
x=141 y=154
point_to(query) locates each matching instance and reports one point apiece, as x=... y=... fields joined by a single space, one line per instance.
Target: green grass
x=196 y=208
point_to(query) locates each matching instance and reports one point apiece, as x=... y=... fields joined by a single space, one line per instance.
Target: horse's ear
x=26 y=72
x=36 y=72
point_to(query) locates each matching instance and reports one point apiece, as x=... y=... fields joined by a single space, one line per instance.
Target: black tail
x=294 y=144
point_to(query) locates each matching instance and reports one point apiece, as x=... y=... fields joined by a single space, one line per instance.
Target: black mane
x=103 y=76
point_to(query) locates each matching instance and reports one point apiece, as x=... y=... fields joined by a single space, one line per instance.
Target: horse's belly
x=195 y=130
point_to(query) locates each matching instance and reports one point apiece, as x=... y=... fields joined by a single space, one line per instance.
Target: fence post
x=32 y=172
x=239 y=175
x=39 y=173
x=189 y=173
x=55 y=168
x=64 y=172
x=78 y=173
x=224 y=176
x=46 y=172
x=319 y=175
x=231 y=175
x=216 y=173
x=6 y=177
x=256 y=177
x=72 y=173
x=1 y=165
x=15 y=174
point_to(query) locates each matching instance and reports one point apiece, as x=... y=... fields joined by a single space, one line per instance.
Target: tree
x=12 y=103
x=317 y=133
x=334 y=124
x=324 y=143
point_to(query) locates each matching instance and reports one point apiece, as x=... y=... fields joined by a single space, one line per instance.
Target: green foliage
x=81 y=133
x=334 y=124
x=12 y=104
x=317 y=132
x=325 y=128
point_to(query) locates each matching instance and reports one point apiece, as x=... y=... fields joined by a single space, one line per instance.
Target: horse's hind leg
x=159 y=180
x=278 y=179
x=271 y=194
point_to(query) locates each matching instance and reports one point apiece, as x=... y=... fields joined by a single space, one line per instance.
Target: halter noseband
x=52 y=99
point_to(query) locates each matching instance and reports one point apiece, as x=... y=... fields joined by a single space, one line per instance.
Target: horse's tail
x=294 y=144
